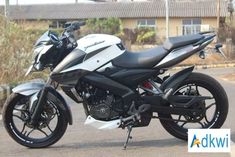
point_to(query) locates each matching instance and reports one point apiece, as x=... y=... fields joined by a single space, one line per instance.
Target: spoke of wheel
x=42 y=131
x=190 y=87
x=197 y=90
x=178 y=119
x=53 y=116
x=18 y=117
x=182 y=125
x=23 y=128
x=49 y=128
x=201 y=124
x=22 y=110
x=25 y=133
x=209 y=106
x=30 y=132
x=206 y=119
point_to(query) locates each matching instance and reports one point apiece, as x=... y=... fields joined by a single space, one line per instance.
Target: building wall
x=175 y=25
x=129 y=23
x=210 y=21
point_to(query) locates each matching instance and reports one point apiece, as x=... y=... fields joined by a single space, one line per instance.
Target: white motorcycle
x=116 y=87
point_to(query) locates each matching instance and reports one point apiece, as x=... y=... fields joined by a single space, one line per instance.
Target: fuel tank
x=94 y=42
x=93 y=51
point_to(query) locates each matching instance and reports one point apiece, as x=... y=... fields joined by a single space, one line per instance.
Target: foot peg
x=128 y=136
x=135 y=117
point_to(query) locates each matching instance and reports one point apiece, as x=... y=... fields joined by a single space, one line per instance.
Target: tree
x=107 y=26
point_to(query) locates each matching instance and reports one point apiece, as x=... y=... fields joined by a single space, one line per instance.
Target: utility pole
x=167 y=18
x=231 y=10
x=218 y=14
x=218 y=20
x=6 y=8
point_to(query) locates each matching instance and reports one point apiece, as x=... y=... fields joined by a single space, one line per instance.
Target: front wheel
x=214 y=111
x=49 y=129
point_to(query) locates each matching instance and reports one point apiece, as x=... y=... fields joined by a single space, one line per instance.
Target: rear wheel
x=49 y=129
x=214 y=111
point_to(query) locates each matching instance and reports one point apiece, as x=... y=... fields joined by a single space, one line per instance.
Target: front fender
x=31 y=88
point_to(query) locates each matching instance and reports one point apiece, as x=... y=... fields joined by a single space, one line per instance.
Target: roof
x=117 y=9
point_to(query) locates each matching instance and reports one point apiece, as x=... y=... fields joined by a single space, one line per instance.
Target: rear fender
x=175 y=80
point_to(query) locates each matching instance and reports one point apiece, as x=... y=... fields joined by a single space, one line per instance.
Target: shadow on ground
x=107 y=144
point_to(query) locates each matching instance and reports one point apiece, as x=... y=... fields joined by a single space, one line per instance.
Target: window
x=146 y=23
x=191 y=26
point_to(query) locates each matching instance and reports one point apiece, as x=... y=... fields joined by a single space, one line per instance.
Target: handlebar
x=69 y=28
x=75 y=25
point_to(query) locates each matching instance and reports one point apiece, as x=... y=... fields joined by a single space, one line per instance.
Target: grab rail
x=207 y=38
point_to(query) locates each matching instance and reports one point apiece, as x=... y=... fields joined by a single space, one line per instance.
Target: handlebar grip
x=75 y=25
x=78 y=24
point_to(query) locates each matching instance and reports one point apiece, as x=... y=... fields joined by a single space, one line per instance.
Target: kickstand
x=128 y=136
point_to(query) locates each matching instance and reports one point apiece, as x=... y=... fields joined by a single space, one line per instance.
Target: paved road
x=84 y=141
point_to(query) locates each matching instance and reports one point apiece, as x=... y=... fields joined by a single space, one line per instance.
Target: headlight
x=36 y=51
x=39 y=51
x=38 y=66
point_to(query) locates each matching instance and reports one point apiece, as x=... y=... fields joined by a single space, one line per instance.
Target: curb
x=207 y=66
x=5 y=91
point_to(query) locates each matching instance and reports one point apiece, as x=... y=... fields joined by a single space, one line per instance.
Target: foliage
x=129 y=34
x=145 y=35
x=16 y=43
x=14 y=48
x=227 y=30
x=107 y=26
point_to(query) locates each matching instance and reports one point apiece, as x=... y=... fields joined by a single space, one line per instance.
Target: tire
x=21 y=138
x=221 y=102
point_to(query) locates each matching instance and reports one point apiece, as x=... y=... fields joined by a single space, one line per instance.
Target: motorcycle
x=117 y=88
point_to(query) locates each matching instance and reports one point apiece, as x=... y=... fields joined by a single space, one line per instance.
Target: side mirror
x=67 y=24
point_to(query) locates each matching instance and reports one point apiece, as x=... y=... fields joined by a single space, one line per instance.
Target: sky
x=2 y=2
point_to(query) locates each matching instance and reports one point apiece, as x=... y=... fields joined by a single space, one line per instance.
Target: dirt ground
x=229 y=77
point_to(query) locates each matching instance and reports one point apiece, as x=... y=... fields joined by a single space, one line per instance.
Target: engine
x=102 y=105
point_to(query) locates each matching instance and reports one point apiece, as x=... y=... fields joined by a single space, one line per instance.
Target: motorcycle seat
x=179 y=41
x=144 y=59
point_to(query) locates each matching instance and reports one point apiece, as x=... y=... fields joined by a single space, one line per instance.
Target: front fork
x=42 y=100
